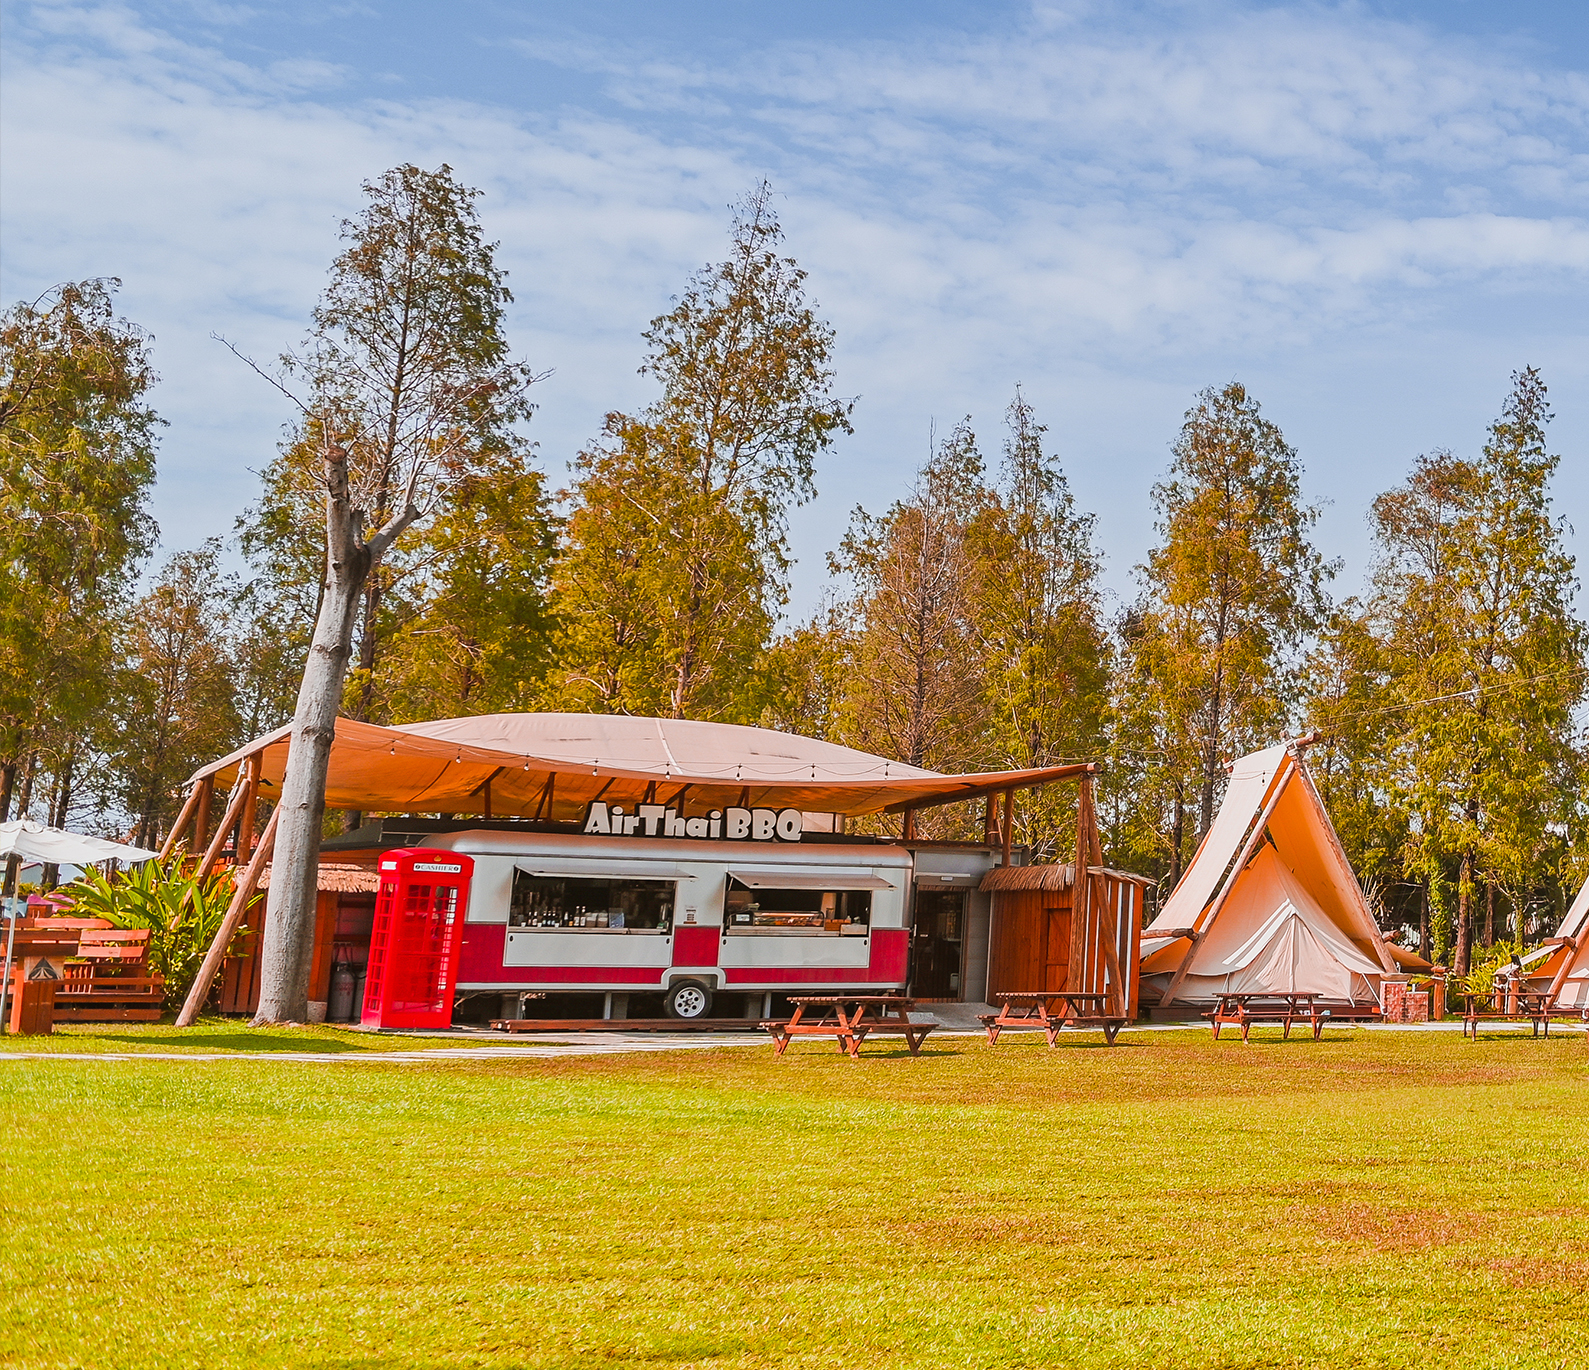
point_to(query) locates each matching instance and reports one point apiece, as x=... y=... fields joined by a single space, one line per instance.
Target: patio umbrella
x=34 y=842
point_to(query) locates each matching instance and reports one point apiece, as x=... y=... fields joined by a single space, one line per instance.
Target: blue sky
x=1369 y=213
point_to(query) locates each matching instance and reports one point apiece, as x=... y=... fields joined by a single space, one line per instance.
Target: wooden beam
x=241 y=897
x=245 y=825
x=1054 y=775
x=183 y=818
x=248 y=780
x=1009 y=823
x=201 y=820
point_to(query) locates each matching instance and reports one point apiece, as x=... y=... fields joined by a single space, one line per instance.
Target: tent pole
x=241 y=898
x=1560 y=978
x=183 y=818
x=1253 y=838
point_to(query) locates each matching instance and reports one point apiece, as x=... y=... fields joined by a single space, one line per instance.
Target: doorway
x=935 y=944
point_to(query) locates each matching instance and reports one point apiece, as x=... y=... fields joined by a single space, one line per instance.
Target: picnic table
x=1243 y=1010
x=1032 y=1009
x=851 y=1018
x=1533 y=1006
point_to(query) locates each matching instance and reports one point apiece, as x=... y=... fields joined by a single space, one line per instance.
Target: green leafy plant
x=182 y=914
x=1481 y=979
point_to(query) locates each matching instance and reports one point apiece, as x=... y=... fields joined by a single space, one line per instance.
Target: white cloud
x=1114 y=217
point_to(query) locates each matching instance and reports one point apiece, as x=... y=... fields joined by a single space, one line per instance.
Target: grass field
x=1374 y=1199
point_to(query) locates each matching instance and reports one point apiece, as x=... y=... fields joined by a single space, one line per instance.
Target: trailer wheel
x=687 y=999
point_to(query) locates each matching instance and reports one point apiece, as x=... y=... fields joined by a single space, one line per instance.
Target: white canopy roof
x=34 y=842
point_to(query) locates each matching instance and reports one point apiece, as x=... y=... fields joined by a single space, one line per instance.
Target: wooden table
x=1030 y=1009
x=851 y=1018
x=1533 y=1006
x=1243 y=1010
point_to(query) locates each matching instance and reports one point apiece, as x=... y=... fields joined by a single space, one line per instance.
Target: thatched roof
x=1047 y=877
x=337 y=878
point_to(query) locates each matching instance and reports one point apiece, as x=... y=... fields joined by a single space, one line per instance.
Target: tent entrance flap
x=809 y=880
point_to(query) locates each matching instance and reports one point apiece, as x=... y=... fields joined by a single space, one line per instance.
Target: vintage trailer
x=551 y=913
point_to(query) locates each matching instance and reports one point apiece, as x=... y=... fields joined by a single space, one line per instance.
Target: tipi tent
x=1565 y=971
x=1269 y=904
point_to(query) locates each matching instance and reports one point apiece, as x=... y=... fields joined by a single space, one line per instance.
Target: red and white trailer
x=551 y=913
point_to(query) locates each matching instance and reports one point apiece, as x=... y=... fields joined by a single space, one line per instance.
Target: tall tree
x=675 y=556
x=410 y=383
x=1038 y=621
x=1229 y=597
x=1486 y=659
x=177 y=705
x=920 y=692
x=77 y=462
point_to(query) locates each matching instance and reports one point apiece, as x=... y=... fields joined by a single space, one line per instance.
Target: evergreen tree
x=675 y=558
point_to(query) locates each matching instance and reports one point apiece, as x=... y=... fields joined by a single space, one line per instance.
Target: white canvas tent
x=1565 y=970
x=32 y=841
x=1270 y=903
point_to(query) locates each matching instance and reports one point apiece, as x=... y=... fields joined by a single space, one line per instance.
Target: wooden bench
x=1243 y=1010
x=851 y=1019
x=1028 y=1010
x=111 y=983
x=1532 y=1008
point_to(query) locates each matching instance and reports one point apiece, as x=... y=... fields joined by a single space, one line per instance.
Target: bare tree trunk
x=8 y=783
x=1464 y=915
x=1177 y=838
x=1489 y=913
x=1423 y=920
x=288 y=944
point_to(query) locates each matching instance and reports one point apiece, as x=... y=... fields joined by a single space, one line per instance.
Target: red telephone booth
x=416 y=937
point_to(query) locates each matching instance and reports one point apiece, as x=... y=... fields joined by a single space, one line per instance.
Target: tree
x=919 y=689
x=1038 y=621
x=77 y=461
x=177 y=707
x=410 y=380
x=675 y=555
x=1486 y=661
x=1229 y=596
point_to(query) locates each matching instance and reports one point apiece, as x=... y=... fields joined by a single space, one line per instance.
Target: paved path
x=570 y=1044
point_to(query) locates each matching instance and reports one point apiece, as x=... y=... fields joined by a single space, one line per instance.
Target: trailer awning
x=810 y=880
x=622 y=870
x=551 y=766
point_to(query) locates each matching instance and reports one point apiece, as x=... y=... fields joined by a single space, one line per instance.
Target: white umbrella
x=31 y=841
x=34 y=842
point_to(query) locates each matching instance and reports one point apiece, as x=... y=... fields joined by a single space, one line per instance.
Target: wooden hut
x=1043 y=937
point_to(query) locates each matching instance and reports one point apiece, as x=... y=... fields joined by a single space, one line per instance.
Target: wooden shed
x=1037 y=940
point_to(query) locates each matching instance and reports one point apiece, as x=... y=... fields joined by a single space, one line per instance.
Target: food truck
x=706 y=866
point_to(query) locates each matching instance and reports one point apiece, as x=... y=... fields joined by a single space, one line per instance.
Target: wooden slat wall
x=240 y=974
x=1034 y=945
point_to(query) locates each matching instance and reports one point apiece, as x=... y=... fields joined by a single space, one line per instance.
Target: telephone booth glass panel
x=415 y=938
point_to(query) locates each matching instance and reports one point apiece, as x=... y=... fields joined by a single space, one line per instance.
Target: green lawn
x=1374 y=1199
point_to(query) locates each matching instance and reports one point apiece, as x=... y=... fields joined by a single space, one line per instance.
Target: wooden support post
x=183 y=818
x=245 y=825
x=990 y=825
x=228 y=929
x=201 y=820
x=909 y=826
x=1009 y=824
x=249 y=783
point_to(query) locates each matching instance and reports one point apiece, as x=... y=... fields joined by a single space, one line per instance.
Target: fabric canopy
x=34 y=842
x=552 y=765
x=1289 y=917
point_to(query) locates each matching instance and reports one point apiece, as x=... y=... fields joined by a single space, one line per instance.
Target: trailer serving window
x=571 y=903
x=812 y=903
